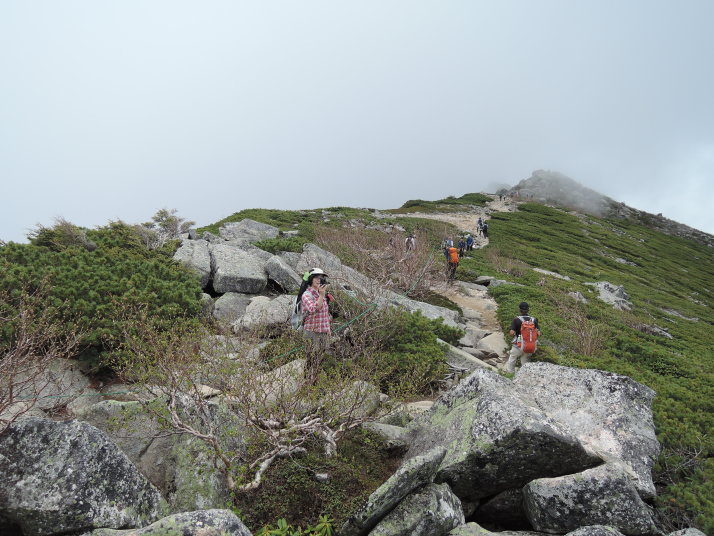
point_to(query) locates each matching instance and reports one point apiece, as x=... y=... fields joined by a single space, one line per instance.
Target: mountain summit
x=557 y=189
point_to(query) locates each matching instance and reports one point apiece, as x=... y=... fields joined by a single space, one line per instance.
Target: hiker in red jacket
x=525 y=332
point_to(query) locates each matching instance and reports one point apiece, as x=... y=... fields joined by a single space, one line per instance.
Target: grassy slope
x=671 y=273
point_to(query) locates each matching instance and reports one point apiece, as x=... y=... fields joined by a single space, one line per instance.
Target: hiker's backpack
x=297 y=316
x=453 y=256
x=529 y=335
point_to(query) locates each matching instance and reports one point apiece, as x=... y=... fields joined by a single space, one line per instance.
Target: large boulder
x=494 y=346
x=600 y=496
x=58 y=477
x=195 y=255
x=263 y=311
x=494 y=440
x=412 y=474
x=231 y=306
x=474 y=529
x=53 y=386
x=610 y=414
x=199 y=523
x=459 y=359
x=247 y=231
x=596 y=530
x=283 y=274
x=235 y=270
x=431 y=511
x=505 y=510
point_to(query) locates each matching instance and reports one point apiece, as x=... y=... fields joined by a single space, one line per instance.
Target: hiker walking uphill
x=525 y=332
x=314 y=304
x=452 y=262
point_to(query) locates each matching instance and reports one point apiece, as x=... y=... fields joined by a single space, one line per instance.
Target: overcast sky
x=115 y=109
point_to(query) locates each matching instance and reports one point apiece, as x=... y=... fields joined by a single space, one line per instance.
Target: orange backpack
x=529 y=335
x=453 y=256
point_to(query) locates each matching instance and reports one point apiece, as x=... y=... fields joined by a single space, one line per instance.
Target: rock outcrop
x=494 y=440
x=610 y=414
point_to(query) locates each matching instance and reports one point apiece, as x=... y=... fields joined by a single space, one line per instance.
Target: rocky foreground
x=556 y=450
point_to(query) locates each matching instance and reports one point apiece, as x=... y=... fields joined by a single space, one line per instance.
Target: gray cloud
x=115 y=110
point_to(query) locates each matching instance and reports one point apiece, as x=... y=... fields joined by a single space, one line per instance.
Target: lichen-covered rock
x=283 y=274
x=610 y=414
x=263 y=311
x=460 y=359
x=412 y=474
x=53 y=386
x=199 y=523
x=195 y=255
x=595 y=530
x=180 y=466
x=59 y=477
x=600 y=496
x=615 y=295
x=494 y=440
x=247 y=230
x=430 y=511
x=235 y=270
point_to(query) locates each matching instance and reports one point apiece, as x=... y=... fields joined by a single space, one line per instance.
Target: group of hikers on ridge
x=312 y=314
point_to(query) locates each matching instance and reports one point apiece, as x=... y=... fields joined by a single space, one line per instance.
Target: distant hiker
x=469 y=242
x=452 y=262
x=461 y=246
x=525 y=332
x=479 y=226
x=316 y=324
x=410 y=242
x=484 y=229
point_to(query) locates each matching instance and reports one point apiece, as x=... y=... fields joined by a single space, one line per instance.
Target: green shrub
x=94 y=284
x=276 y=245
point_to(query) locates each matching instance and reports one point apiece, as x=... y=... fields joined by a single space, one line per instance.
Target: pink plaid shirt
x=317 y=320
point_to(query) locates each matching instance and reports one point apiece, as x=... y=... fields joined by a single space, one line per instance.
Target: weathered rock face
x=54 y=386
x=460 y=359
x=265 y=312
x=200 y=523
x=247 y=231
x=195 y=255
x=283 y=274
x=412 y=474
x=494 y=440
x=431 y=511
x=68 y=476
x=235 y=270
x=610 y=414
x=687 y=532
x=600 y=496
x=474 y=529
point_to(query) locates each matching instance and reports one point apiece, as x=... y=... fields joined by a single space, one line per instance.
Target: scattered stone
x=58 y=477
x=432 y=511
x=199 y=523
x=493 y=346
x=600 y=496
x=462 y=360
x=613 y=294
x=552 y=274
x=231 y=306
x=394 y=436
x=672 y=312
x=578 y=297
x=414 y=473
x=625 y=261
x=655 y=330
x=206 y=304
x=610 y=414
x=262 y=311
x=595 y=530
x=687 y=532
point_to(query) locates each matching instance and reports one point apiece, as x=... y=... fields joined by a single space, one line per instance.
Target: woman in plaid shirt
x=316 y=324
